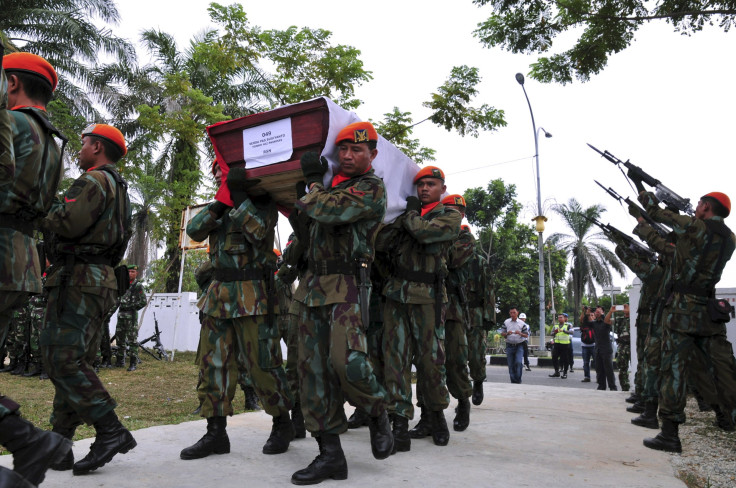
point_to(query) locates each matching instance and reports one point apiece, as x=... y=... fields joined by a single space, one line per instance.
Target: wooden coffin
x=309 y=126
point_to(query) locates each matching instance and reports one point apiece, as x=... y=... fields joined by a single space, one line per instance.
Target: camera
x=619 y=308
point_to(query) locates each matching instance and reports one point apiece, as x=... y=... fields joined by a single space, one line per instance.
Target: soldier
x=20 y=338
x=30 y=169
x=482 y=310
x=414 y=314
x=456 y=318
x=126 y=330
x=621 y=328
x=91 y=226
x=334 y=300
x=238 y=310
x=690 y=319
x=36 y=310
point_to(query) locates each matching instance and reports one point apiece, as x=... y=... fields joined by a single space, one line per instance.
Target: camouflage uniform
x=126 y=331
x=482 y=313
x=288 y=329
x=28 y=184
x=702 y=249
x=19 y=334
x=333 y=349
x=416 y=302
x=622 y=330
x=37 y=308
x=236 y=328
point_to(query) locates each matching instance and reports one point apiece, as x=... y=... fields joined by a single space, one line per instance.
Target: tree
x=603 y=28
x=591 y=260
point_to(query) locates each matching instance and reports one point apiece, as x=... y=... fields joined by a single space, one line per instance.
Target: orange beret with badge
x=108 y=133
x=430 y=172
x=722 y=198
x=457 y=200
x=357 y=132
x=32 y=64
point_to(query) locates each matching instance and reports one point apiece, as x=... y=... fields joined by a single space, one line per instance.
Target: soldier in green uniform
x=457 y=320
x=238 y=323
x=414 y=314
x=36 y=310
x=621 y=328
x=703 y=246
x=30 y=169
x=91 y=227
x=20 y=338
x=334 y=301
x=126 y=330
x=482 y=309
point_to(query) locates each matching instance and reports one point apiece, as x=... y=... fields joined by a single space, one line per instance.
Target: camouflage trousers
x=375 y=348
x=622 y=363
x=642 y=326
x=105 y=350
x=252 y=345
x=411 y=334
x=69 y=342
x=477 y=343
x=8 y=301
x=334 y=367
x=289 y=332
x=456 y=360
x=19 y=332
x=126 y=334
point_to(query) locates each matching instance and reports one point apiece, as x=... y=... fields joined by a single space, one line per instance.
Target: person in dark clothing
x=603 y=348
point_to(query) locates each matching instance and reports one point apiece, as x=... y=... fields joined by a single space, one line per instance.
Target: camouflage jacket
x=650 y=274
x=458 y=268
x=621 y=329
x=240 y=240
x=133 y=300
x=87 y=223
x=28 y=184
x=345 y=221
x=702 y=249
x=38 y=305
x=418 y=243
x=481 y=302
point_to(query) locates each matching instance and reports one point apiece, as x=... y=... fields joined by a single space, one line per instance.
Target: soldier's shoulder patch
x=355 y=191
x=76 y=189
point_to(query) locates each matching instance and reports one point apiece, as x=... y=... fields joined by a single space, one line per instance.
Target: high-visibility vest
x=560 y=337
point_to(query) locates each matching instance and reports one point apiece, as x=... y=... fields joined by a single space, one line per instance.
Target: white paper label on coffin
x=267 y=143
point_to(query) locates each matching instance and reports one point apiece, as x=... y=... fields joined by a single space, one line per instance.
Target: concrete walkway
x=522 y=435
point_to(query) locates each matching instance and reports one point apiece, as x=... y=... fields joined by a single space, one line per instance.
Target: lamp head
x=520 y=78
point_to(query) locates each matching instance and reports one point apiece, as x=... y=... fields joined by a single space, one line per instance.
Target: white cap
x=522 y=315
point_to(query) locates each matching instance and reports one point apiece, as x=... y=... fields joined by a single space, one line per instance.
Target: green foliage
x=397 y=128
x=450 y=105
x=605 y=27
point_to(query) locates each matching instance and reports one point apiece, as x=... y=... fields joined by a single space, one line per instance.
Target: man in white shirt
x=514 y=331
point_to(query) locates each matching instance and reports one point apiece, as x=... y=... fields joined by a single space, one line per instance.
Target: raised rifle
x=661 y=230
x=671 y=199
x=620 y=237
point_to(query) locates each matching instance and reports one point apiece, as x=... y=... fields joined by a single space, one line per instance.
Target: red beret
x=276 y=252
x=357 y=132
x=107 y=132
x=722 y=199
x=430 y=172
x=454 y=200
x=31 y=63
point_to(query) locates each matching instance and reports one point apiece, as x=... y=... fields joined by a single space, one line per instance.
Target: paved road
x=539 y=376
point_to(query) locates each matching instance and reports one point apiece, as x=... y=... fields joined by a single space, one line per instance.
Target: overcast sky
x=666 y=103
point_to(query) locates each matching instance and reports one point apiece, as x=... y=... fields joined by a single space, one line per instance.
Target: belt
x=86 y=259
x=230 y=274
x=332 y=266
x=10 y=221
x=416 y=276
x=692 y=290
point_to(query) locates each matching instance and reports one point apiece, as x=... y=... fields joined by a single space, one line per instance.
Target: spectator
x=562 y=334
x=514 y=331
x=587 y=341
x=525 y=344
x=603 y=350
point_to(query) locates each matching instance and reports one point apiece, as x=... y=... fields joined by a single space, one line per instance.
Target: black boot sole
x=339 y=476
x=645 y=424
x=225 y=450
x=122 y=450
x=659 y=446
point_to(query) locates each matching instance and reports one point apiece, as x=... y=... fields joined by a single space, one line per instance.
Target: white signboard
x=267 y=144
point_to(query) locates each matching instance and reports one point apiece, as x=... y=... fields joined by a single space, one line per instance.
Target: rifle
x=161 y=354
x=617 y=236
x=671 y=199
x=661 y=230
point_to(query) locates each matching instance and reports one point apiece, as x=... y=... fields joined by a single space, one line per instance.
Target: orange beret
x=465 y=227
x=454 y=200
x=276 y=252
x=33 y=64
x=430 y=172
x=214 y=167
x=107 y=132
x=357 y=132
x=722 y=199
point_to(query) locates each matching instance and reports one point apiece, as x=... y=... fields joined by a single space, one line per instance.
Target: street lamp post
x=539 y=219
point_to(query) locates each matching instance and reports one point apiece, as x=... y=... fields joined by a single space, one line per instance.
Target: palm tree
x=591 y=260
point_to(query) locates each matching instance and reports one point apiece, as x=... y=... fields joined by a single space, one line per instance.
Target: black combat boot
x=251 y=398
x=633 y=398
x=382 y=439
x=133 y=363
x=329 y=464
x=20 y=368
x=33 y=449
x=462 y=415
x=438 y=424
x=11 y=479
x=667 y=440
x=120 y=360
x=703 y=406
x=111 y=438
x=477 y=392
x=723 y=420
x=33 y=370
x=648 y=418
x=282 y=433
x=638 y=407
x=402 y=440
x=215 y=441
x=423 y=427
x=297 y=419
x=358 y=419
x=67 y=462
x=10 y=367
x=106 y=362
x=556 y=374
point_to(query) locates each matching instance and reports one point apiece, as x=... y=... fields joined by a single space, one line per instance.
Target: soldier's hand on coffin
x=301 y=189
x=313 y=167
x=413 y=203
x=239 y=185
x=218 y=209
